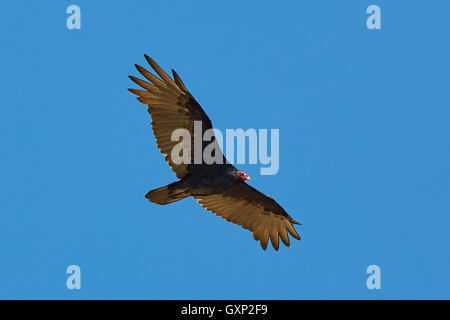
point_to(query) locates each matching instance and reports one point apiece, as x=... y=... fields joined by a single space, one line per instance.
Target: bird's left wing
x=253 y=210
x=172 y=107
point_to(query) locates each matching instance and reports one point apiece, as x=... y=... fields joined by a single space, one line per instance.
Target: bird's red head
x=242 y=176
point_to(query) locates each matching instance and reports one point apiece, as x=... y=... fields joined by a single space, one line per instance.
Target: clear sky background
x=364 y=148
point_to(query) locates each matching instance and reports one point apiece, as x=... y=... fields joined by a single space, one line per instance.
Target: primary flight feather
x=218 y=187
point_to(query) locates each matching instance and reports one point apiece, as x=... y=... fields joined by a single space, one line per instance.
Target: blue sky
x=364 y=149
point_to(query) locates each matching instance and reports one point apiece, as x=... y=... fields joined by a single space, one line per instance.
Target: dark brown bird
x=218 y=187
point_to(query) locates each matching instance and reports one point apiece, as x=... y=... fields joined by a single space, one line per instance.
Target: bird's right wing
x=172 y=107
x=253 y=210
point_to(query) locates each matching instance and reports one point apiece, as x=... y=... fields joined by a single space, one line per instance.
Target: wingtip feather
x=178 y=81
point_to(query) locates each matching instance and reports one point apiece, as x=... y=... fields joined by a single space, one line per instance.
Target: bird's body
x=198 y=182
x=218 y=187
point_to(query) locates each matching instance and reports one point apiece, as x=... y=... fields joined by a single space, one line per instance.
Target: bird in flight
x=217 y=187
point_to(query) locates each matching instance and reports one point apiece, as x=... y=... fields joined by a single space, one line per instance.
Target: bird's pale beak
x=247 y=178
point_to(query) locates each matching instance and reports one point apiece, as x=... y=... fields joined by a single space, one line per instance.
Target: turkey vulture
x=218 y=187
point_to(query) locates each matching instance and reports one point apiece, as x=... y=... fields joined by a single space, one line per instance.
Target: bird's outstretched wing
x=253 y=210
x=172 y=107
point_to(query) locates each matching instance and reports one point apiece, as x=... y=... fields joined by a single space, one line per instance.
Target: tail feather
x=167 y=194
